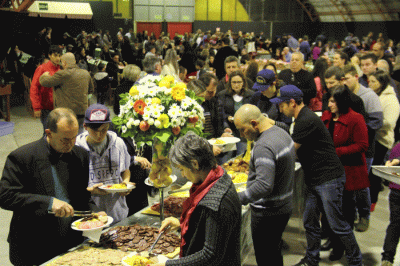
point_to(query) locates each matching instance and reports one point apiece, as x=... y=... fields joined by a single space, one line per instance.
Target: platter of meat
x=236 y=165
x=390 y=173
x=142 y=259
x=92 y=222
x=173 y=206
x=139 y=238
x=113 y=188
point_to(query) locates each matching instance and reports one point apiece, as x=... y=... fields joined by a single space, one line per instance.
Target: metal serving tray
x=386 y=172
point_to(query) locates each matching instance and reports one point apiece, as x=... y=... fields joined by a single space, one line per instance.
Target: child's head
x=97 y=121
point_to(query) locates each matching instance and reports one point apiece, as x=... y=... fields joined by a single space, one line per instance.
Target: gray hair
x=197 y=86
x=192 y=147
x=383 y=65
x=172 y=58
x=150 y=63
x=131 y=72
x=231 y=59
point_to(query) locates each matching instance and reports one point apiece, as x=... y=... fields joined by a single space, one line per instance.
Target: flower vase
x=160 y=172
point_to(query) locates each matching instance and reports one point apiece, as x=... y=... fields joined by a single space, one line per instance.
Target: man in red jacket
x=42 y=97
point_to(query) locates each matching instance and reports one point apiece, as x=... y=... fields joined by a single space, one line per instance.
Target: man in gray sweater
x=270 y=183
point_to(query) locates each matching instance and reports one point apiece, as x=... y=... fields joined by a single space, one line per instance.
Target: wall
x=220 y=10
x=164 y=10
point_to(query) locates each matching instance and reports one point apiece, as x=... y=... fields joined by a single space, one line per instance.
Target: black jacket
x=213 y=236
x=26 y=188
x=219 y=61
x=124 y=87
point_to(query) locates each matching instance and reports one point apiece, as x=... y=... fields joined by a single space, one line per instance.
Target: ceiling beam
x=309 y=9
x=360 y=12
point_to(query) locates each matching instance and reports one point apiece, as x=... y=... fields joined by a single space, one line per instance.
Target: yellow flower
x=155 y=100
x=169 y=78
x=180 y=85
x=164 y=120
x=164 y=83
x=178 y=93
x=133 y=91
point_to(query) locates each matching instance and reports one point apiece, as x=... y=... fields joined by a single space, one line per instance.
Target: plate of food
x=390 y=173
x=238 y=178
x=142 y=259
x=222 y=141
x=92 y=222
x=113 y=188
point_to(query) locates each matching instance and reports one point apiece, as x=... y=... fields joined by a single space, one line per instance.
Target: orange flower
x=139 y=106
x=178 y=93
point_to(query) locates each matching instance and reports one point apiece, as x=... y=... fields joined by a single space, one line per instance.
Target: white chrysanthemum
x=121 y=115
x=160 y=108
x=185 y=114
x=173 y=112
x=151 y=121
x=124 y=129
x=175 y=122
x=167 y=91
x=183 y=121
x=152 y=91
x=146 y=116
x=136 y=122
x=130 y=123
x=155 y=113
x=157 y=123
x=185 y=104
x=147 y=101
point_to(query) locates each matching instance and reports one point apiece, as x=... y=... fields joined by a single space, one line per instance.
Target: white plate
x=161 y=258
x=109 y=221
x=111 y=190
x=386 y=172
x=148 y=182
x=227 y=140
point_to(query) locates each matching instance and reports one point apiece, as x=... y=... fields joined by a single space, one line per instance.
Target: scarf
x=197 y=193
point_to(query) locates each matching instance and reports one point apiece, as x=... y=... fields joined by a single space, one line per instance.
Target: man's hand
x=228 y=135
x=61 y=208
x=37 y=114
x=228 y=130
x=216 y=150
x=392 y=162
x=144 y=163
x=95 y=190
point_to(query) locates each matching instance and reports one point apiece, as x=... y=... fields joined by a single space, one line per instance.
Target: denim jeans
x=327 y=198
x=266 y=232
x=393 y=230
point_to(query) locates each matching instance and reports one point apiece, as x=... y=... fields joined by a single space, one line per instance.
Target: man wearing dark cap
x=266 y=88
x=72 y=85
x=323 y=174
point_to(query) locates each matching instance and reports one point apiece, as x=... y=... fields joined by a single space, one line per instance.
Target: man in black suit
x=48 y=175
x=223 y=52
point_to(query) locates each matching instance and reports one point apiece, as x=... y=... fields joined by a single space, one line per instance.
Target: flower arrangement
x=159 y=108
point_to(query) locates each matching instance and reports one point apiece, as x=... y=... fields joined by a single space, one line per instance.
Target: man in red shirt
x=42 y=97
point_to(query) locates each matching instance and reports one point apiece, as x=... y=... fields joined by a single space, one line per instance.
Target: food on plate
x=116 y=186
x=237 y=165
x=139 y=238
x=90 y=256
x=91 y=222
x=219 y=142
x=137 y=260
x=239 y=178
x=173 y=206
x=183 y=194
x=396 y=174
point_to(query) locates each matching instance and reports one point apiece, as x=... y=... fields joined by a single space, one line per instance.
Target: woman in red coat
x=350 y=137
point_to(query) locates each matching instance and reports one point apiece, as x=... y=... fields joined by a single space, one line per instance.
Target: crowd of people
x=353 y=84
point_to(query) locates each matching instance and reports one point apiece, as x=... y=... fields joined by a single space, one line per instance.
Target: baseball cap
x=286 y=93
x=264 y=79
x=97 y=114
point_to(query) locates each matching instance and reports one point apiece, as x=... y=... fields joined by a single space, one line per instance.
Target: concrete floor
x=28 y=129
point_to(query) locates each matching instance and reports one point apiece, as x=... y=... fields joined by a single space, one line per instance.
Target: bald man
x=71 y=87
x=270 y=183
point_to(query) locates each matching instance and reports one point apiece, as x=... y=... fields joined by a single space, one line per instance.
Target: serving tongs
x=78 y=213
x=158 y=238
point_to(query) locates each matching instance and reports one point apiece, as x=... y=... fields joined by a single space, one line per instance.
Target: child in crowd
x=109 y=161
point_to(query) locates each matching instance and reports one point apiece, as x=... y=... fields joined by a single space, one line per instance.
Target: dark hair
x=55 y=49
x=192 y=147
x=341 y=95
x=350 y=69
x=57 y=114
x=234 y=74
x=320 y=67
x=231 y=59
x=252 y=71
x=343 y=56
x=371 y=56
x=383 y=78
x=337 y=72
x=245 y=58
x=200 y=63
x=207 y=77
x=197 y=86
x=270 y=64
x=101 y=66
x=94 y=126
x=226 y=40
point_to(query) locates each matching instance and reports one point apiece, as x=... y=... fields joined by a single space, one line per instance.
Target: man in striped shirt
x=270 y=183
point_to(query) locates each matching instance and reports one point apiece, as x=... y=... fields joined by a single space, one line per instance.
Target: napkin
x=93 y=234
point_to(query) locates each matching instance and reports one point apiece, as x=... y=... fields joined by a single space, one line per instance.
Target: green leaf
x=163 y=136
